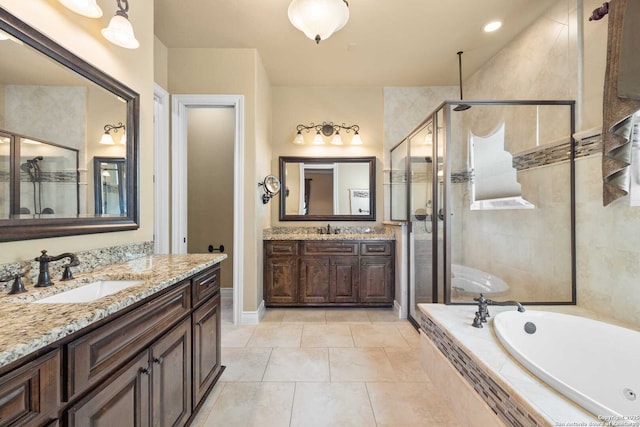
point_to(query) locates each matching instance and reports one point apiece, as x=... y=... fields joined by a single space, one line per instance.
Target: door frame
x=179 y=122
x=161 y=226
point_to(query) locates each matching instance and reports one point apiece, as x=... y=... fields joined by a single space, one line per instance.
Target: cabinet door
x=30 y=395
x=314 y=280
x=376 y=280
x=171 y=377
x=121 y=401
x=344 y=279
x=207 y=359
x=281 y=280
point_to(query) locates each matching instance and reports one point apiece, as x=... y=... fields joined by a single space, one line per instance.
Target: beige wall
x=238 y=72
x=303 y=105
x=160 y=63
x=134 y=68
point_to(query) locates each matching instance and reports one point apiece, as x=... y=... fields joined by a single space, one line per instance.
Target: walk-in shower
x=488 y=195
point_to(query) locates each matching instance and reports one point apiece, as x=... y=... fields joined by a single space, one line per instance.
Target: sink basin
x=89 y=292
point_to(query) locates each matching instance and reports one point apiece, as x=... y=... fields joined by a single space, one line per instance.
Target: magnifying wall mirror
x=54 y=111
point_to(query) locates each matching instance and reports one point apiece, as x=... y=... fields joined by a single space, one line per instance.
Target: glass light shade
x=105 y=173
x=356 y=140
x=120 y=33
x=317 y=140
x=337 y=139
x=107 y=139
x=318 y=19
x=123 y=140
x=299 y=139
x=87 y=8
x=3 y=35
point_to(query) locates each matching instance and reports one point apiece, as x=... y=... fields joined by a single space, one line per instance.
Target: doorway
x=182 y=105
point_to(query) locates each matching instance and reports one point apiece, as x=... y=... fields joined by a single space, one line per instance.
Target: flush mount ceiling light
x=318 y=19
x=87 y=8
x=328 y=129
x=120 y=30
x=107 y=139
x=492 y=26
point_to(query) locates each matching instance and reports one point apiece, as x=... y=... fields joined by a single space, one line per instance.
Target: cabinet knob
x=146 y=371
x=158 y=360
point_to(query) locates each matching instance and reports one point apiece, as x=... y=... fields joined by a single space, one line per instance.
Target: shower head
x=460 y=107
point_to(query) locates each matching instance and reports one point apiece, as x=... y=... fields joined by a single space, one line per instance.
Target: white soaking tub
x=595 y=364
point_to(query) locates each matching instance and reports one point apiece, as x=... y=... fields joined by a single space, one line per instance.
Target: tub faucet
x=44 y=279
x=483 y=310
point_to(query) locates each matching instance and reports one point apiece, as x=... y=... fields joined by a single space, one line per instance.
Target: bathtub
x=595 y=364
x=472 y=281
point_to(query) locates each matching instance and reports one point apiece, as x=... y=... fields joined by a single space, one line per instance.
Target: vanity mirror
x=328 y=189
x=53 y=110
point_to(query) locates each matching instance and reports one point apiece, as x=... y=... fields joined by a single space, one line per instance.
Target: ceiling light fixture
x=328 y=129
x=87 y=8
x=461 y=106
x=318 y=19
x=120 y=30
x=107 y=139
x=492 y=26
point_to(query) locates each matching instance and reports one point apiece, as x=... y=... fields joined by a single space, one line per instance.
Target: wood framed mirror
x=328 y=188
x=57 y=108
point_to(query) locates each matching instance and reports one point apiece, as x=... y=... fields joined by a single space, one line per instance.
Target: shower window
x=398 y=179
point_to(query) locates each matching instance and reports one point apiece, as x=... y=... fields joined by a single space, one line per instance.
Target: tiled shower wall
x=542 y=63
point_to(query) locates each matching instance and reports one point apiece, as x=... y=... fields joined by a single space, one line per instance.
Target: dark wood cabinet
x=207 y=357
x=122 y=401
x=170 y=361
x=30 y=395
x=328 y=272
x=152 y=364
x=375 y=274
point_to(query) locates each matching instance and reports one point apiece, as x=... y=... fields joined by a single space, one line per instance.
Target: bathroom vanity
x=147 y=355
x=329 y=270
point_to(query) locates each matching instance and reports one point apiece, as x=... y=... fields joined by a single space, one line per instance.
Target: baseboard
x=253 y=317
x=226 y=293
x=397 y=309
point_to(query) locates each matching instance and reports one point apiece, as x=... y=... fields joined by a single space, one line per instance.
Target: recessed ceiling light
x=492 y=26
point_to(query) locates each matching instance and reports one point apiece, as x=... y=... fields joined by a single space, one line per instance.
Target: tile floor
x=316 y=367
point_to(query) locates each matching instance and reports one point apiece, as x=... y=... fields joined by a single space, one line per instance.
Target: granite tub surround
x=36 y=326
x=345 y=233
x=514 y=394
x=89 y=260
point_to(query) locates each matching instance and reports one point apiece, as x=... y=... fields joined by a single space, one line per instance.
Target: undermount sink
x=89 y=292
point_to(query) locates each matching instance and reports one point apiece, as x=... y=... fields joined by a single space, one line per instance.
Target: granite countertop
x=34 y=326
x=346 y=233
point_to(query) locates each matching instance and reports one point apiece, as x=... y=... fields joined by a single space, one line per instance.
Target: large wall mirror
x=57 y=114
x=327 y=188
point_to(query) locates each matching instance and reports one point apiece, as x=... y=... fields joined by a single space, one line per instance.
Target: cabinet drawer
x=375 y=248
x=30 y=395
x=281 y=247
x=330 y=247
x=205 y=284
x=98 y=353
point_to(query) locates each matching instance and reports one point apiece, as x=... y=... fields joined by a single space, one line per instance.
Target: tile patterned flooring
x=317 y=367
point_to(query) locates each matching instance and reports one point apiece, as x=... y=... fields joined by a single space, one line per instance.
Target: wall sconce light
x=271 y=187
x=87 y=8
x=120 y=30
x=107 y=139
x=328 y=129
x=318 y=19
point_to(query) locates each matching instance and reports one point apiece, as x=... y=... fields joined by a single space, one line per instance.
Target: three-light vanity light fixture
x=119 y=31
x=328 y=130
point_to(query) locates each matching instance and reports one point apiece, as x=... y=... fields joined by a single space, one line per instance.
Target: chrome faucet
x=44 y=279
x=483 y=310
